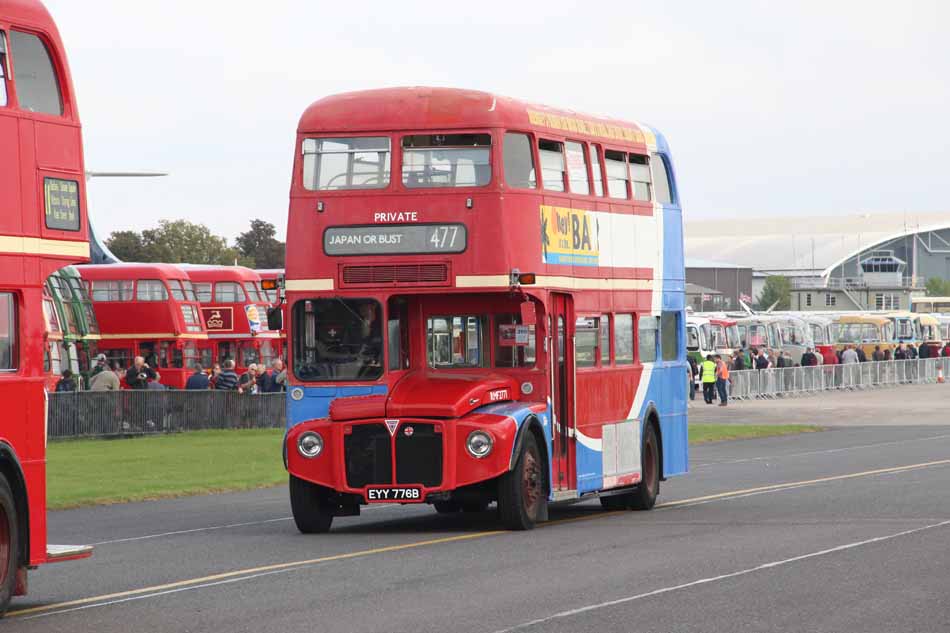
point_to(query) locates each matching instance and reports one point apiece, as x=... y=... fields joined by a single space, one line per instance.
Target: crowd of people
x=142 y=375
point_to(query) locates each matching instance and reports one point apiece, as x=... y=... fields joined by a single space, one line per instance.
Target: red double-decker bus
x=147 y=310
x=234 y=313
x=271 y=278
x=486 y=305
x=43 y=227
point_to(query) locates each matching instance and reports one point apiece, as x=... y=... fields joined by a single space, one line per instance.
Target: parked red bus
x=43 y=227
x=272 y=294
x=234 y=313
x=147 y=310
x=502 y=285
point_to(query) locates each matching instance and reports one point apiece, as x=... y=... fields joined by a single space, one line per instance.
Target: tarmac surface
x=885 y=406
x=843 y=530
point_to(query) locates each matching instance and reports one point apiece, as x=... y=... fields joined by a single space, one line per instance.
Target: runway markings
x=255 y=572
x=824 y=451
x=712 y=579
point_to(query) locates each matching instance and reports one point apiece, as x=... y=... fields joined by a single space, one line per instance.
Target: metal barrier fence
x=792 y=381
x=136 y=412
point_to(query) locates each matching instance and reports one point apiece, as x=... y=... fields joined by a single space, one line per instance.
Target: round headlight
x=310 y=444
x=296 y=393
x=479 y=444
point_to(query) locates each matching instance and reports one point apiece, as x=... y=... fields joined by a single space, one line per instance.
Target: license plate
x=399 y=494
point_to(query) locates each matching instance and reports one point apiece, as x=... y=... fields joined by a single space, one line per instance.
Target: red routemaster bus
x=270 y=280
x=147 y=310
x=486 y=305
x=43 y=227
x=234 y=313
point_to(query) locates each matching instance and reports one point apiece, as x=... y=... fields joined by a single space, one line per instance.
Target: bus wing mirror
x=275 y=319
x=528 y=314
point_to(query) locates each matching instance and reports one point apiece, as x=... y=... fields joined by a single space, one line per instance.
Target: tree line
x=184 y=242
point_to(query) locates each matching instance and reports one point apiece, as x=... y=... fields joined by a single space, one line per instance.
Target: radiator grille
x=368 y=454
x=419 y=456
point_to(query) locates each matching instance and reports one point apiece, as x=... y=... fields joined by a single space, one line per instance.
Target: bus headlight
x=310 y=444
x=479 y=444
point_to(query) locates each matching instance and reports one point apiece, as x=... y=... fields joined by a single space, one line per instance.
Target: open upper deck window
x=519 y=161
x=446 y=160
x=4 y=69
x=551 y=154
x=36 y=81
x=331 y=164
x=640 y=177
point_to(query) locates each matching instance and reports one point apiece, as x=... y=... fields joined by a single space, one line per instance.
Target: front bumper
x=358 y=454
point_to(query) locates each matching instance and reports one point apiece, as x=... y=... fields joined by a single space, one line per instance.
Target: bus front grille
x=368 y=455
x=419 y=455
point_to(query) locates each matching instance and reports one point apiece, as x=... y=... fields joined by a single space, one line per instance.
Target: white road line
x=712 y=579
x=818 y=452
x=210 y=528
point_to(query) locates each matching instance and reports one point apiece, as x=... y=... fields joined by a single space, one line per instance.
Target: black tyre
x=644 y=495
x=310 y=503
x=447 y=507
x=9 y=544
x=521 y=494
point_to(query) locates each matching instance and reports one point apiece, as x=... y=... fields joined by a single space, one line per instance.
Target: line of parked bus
x=173 y=315
x=795 y=332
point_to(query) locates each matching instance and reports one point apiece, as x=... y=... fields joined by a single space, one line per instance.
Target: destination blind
x=395 y=239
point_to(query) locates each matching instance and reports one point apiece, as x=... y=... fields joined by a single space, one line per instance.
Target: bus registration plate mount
x=393 y=494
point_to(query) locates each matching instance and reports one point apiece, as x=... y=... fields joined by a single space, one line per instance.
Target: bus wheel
x=312 y=510
x=521 y=491
x=447 y=507
x=644 y=495
x=9 y=544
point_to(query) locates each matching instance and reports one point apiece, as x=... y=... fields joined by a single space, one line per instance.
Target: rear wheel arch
x=11 y=470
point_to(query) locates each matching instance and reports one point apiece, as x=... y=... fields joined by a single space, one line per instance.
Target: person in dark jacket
x=877 y=354
x=900 y=353
x=227 y=380
x=911 y=351
x=67 y=382
x=693 y=374
x=924 y=350
x=862 y=357
x=809 y=359
x=738 y=361
x=139 y=374
x=198 y=380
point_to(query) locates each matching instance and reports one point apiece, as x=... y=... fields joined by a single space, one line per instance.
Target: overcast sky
x=770 y=108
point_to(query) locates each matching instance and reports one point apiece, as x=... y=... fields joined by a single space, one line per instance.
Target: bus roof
x=202 y=272
x=420 y=108
x=130 y=271
x=863 y=318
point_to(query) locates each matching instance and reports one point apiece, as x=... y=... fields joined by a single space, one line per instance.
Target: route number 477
x=444 y=237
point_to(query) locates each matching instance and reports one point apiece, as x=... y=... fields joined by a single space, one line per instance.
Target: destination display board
x=62 y=204
x=395 y=239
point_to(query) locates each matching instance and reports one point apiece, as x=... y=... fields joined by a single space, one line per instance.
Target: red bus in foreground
x=486 y=305
x=43 y=227
x=234 y=313
x=147 y=310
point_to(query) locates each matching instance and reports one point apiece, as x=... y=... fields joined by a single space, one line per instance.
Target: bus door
x=562 y=391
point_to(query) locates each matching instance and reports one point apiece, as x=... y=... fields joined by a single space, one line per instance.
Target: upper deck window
x=519 y=161
x=331 y=164
x=4 y=69
x=175 y=287
x=661 y=180
x=228 y=292
x=617 y=174
x=597 y=170
x=203 y=291
x=551 y=154
x=446 y=160
x=151 y=290
x=640 y=176
x=36 y=81
x=251 y=289
x=112 y=290
x=577 y=168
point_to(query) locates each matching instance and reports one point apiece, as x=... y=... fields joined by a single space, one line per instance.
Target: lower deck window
x=455 y=341
x=337 y=339
x=515 y=344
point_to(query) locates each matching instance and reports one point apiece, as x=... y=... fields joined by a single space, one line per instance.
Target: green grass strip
x=92 y=472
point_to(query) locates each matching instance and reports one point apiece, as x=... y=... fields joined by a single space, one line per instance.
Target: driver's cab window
x=692 y=338
x=455 y=341
x=4 y=69
x=338 y=339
